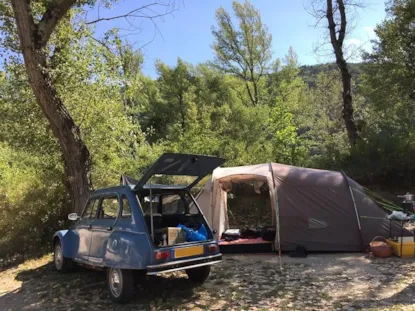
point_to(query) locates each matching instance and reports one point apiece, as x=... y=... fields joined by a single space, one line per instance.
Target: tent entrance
x=249 y=205
x=249 y=210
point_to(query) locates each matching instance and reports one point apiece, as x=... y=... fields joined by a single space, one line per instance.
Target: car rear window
x=169 y=203
x=126 y=208
x=173 y=204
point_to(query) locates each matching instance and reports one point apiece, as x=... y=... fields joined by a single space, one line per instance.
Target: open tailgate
x=182 y=165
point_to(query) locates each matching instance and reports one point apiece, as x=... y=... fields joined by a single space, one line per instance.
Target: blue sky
x=186 y=32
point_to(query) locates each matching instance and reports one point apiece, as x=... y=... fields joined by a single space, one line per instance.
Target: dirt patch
x=254 y=282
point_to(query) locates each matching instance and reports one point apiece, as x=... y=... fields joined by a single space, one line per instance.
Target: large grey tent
x=322 y=210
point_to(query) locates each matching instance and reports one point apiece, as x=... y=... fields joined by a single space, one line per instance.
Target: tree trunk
x=348 y=110
x=77 y=162
x=337 y=39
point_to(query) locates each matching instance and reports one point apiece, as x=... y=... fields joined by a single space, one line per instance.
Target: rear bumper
x=183 y=264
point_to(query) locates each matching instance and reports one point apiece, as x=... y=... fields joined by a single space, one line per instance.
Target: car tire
x=120 y=283
x=62 y=264
x=198 y=275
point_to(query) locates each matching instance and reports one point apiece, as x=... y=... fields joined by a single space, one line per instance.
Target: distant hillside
x=309 y=72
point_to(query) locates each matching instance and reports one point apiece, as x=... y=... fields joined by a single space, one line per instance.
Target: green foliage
x=390 y=76
x=31 y=198
x=243 y=51
x=91 y=79
x=388 y=85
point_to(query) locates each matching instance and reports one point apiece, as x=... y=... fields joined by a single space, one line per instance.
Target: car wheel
x=62 y=264
x=198 y=275
x=120 y=284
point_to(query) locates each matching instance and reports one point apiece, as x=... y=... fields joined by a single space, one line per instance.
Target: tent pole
x=278 y=226
x=277 y=216
x=355 y=208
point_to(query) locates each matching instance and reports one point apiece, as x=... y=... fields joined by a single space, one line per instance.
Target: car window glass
x=90 y=210
x=109 y=207
x=172 y=204
x=126 y=208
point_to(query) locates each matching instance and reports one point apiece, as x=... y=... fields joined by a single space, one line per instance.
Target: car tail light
x=163 y=255
x=213 y=248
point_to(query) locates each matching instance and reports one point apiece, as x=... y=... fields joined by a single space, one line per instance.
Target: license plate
x=188 y=251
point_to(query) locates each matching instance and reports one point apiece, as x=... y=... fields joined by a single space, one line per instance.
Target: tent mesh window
x=247 y=208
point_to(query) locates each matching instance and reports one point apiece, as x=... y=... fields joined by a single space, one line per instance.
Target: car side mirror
x=73 y=216
x=214 y=231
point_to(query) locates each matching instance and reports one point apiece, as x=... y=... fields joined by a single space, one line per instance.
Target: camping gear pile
x=267 y=233
x=402 y=245
x=408 y=203
x=397 y=215
x=180 y=234
x=192 y=235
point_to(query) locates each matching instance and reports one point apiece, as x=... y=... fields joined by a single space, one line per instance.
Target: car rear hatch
x=178 y=164
x=190 y=254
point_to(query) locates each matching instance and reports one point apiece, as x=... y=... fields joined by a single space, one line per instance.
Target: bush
x=31 y=202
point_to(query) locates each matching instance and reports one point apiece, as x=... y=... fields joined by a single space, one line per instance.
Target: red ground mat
x=244 y=241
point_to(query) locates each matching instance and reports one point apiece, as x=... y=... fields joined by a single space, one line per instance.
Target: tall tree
x=390 y=75
x=35 y=23
x=34 y=36
x=243 y=50
x=337 y=19
x=388 y=85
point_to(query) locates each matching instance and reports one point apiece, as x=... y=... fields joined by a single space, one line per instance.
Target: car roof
x=124 y=188
x=121 y=188
x=167 y=187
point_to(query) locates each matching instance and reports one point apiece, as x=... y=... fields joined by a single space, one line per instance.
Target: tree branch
x=24 y=23
x=332 y=27
x=343 y=22
x=132 y=13
x=55 y=11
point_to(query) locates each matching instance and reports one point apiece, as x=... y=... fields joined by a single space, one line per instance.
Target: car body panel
x=84 y=234
x=69 y=240
x=128 y=250
x=172 y=266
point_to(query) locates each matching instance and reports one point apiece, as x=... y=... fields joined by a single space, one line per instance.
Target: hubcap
x=115 y=282
x=58 y=257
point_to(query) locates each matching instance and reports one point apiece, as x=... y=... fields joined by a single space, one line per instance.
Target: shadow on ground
x=319 y=282
x=43 y=288
x=14 y=261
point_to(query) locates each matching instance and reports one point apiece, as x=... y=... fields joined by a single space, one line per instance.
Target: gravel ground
x=243 y=282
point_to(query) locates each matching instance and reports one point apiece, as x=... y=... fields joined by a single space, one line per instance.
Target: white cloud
x=369 y=31
x=354 y=41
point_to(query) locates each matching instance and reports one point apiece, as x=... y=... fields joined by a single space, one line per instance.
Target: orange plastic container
x=408 y=248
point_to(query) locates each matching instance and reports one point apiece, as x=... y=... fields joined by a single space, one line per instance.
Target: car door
x=102 y=226
x=83 y=228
